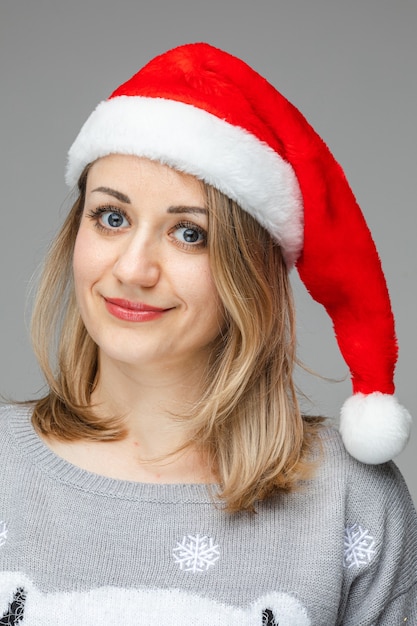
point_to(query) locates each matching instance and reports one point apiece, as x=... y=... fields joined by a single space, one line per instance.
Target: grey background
x=349 y=66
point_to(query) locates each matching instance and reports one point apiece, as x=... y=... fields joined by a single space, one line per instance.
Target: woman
x=167 y=476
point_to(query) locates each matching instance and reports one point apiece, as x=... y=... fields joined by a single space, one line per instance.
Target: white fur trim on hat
x=375 y=428
x=194 y=141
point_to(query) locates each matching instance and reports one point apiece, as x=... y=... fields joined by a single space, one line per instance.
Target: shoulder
x=336 y=460
x=13 y=417
x=380 y=536
x=372 y=489
x=380 y=517
x=12 y=411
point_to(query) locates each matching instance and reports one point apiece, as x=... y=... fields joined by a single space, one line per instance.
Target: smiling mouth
x=133 y=311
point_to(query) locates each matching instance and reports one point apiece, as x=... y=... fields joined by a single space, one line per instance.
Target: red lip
x=133 y=306
x=133 y=311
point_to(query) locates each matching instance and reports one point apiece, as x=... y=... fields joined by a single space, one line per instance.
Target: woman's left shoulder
x=380 y=535
x=334 y=454
x=370 y=491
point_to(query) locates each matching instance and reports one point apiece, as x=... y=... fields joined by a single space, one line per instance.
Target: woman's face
x=141 y=267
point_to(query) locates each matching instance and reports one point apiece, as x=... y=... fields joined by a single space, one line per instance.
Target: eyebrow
x=196 y=210
x=113 y=192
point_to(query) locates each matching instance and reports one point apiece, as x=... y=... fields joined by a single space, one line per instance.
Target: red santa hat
x=203 y=111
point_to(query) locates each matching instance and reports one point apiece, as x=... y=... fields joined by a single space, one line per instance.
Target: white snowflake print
x=359 y=546
x=196 y=554
x=3 y=533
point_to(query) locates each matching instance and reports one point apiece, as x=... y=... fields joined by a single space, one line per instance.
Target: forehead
x=139 y=174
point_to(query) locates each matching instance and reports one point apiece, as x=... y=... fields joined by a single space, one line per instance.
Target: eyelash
x=95 y=215
x=191 y=246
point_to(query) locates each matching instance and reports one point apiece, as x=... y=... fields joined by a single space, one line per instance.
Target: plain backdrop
x=349 y=66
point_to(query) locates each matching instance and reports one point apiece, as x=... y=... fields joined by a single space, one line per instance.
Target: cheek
x=194 y=281
x=202 y=293
x=80 y=261
x=88 y=259
x=86 y=265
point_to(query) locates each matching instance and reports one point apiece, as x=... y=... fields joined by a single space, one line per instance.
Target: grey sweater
x=77 y=548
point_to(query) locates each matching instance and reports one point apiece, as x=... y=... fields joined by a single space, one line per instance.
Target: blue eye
x=114 y=219
x=107 y=219
x=190 y=234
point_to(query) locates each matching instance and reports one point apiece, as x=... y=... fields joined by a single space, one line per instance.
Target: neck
x=156 y=448
x=152 y=403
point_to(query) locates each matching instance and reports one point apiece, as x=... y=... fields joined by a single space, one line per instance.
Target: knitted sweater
x=77 y=548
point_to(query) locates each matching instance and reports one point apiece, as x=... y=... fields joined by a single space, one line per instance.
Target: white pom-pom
x=375 y=427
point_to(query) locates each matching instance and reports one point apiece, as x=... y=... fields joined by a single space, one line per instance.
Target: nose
x=138 y=262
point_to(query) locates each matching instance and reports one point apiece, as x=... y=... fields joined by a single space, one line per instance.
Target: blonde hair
x=248 y=420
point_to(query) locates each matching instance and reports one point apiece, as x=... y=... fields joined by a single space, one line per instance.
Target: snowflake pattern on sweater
x=359 y=546
x=196 y=554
